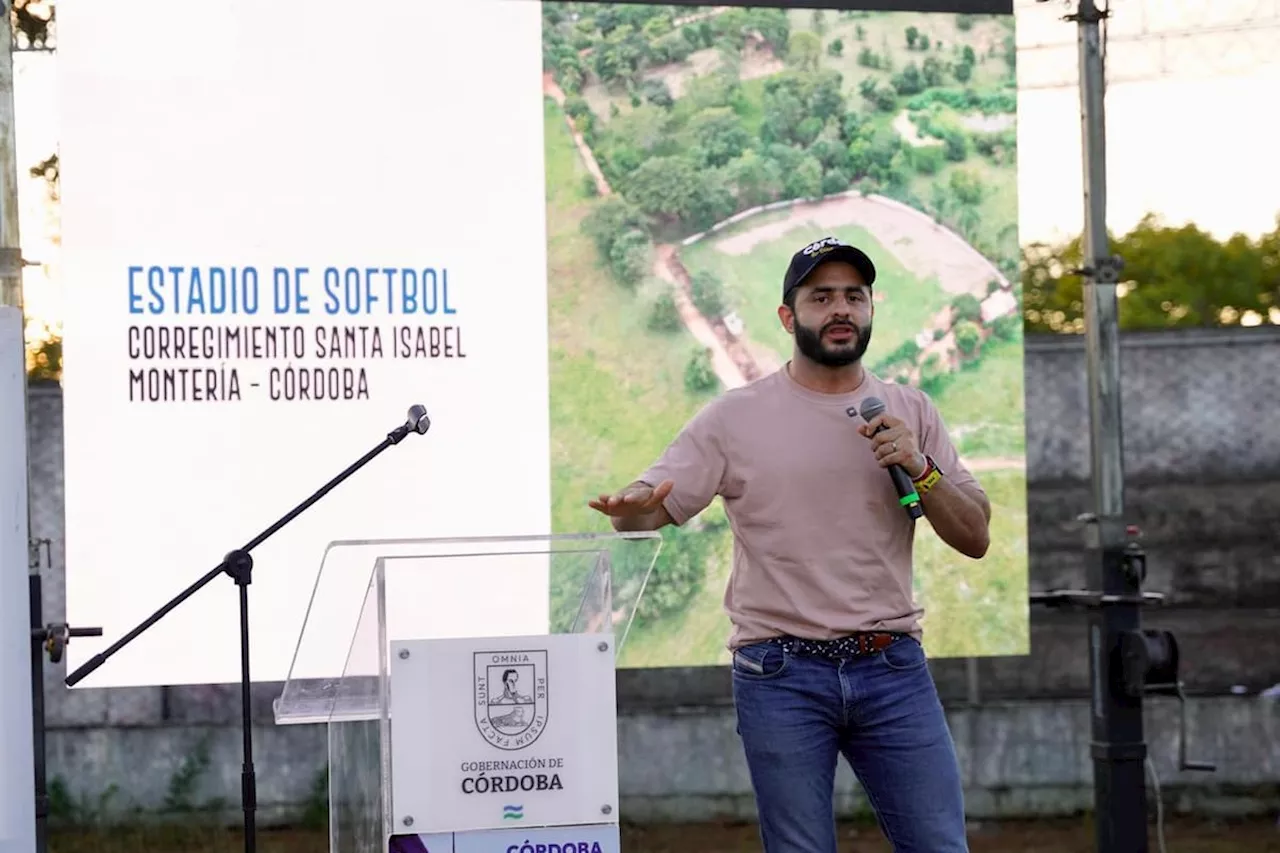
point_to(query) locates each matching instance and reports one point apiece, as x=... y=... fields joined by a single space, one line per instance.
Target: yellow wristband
x=928 y=479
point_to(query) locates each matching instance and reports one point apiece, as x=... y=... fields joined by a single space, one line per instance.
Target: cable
x=1155 y=787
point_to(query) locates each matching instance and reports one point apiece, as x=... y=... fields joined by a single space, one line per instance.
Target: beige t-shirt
x=822 y=548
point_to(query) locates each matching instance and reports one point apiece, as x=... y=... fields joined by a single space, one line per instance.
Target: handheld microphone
x=418 y=422
x=871 y=407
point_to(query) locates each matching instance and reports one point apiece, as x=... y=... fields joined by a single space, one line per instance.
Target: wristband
x=929 y=478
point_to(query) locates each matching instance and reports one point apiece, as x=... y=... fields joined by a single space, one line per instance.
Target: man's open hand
x=635 y=499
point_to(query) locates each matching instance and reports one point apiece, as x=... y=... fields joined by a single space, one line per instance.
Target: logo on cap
x=819 y=247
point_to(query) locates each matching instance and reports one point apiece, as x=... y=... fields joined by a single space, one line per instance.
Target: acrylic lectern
x=468 y=689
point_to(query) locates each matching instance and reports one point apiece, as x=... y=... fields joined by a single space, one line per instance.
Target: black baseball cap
x=820 y=252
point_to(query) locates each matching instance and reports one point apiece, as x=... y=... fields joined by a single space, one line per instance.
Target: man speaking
x=827 y=658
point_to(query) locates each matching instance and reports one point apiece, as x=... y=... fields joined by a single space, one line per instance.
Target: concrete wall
x=1203 y=465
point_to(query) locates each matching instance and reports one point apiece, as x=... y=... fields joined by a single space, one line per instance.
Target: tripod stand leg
x=36 y=597
x=240 y=567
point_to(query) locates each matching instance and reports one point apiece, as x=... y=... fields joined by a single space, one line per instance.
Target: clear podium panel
x=454 y=588
x=467 y=684
x=358 y=801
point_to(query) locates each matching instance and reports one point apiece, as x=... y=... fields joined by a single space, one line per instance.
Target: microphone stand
x=238 y=564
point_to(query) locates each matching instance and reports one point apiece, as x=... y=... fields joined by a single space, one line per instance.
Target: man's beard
x=809 y=341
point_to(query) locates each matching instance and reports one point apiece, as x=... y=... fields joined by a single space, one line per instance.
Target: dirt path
x=995 y=463
x=923 y=246
x=732 y=364
x=731 y=358
x=552 y=89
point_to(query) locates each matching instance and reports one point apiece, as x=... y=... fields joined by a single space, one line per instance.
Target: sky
x=1189 y=134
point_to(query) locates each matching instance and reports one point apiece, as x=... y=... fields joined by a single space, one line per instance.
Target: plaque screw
x=404 y=655
x=408 y=821
x=606 y=809
x=604 y=647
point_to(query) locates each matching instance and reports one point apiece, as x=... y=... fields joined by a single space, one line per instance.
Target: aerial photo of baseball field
x=689 y=152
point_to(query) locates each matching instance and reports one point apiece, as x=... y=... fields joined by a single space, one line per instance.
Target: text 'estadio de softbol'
x=174 y=358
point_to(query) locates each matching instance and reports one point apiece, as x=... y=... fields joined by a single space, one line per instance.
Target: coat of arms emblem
x=511 y=697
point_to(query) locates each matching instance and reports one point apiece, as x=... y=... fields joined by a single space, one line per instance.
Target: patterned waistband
x=856 y=645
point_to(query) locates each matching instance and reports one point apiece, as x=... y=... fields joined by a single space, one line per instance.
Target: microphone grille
x=871 y=407
x=418 y=420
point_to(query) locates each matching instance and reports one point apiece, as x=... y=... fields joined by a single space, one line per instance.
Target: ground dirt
x=1068 y=836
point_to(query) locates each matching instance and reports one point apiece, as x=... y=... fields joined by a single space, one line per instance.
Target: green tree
x=756 y=179
x=805 y=181
x=831 y=153
x=670 y=47
x=804 y=51
x=908 y=81
x=678 y=574
x=784 y=110
x=931 y=68
x=968 y=337
x=967 y=186
x=966 y=307
x=835 y=181
x=657 y=93
x=630 y=257
x=933 y=373
x=664 y=316
x=665 y=187
x=774 y=27
x=699 y=373
x=926 y=159
x=718 y=135
x=608 y=220
x=1173 y=277
x=1007 y=327
x=44 y=358
x=956 y=145
x=708 y=294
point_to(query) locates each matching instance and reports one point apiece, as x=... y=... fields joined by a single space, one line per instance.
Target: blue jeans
x=797 y=714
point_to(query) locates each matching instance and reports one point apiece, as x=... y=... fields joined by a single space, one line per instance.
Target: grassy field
x=978 y=607
x=1185 y=835
x=617 y=392
x=612 y=406
x=984 y=406
x=904 y=303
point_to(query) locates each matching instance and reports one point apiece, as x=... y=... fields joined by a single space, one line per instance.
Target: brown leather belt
x=841 y=648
